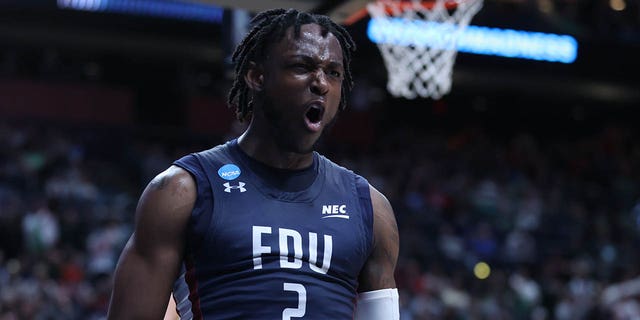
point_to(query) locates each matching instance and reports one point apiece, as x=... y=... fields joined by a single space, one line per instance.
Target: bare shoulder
x=381 y=205
x=166 y=203
x=175 y=180
x=384 y=219
x=174 y=186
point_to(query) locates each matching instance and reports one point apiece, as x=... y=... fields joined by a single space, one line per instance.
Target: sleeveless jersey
x=257 y=252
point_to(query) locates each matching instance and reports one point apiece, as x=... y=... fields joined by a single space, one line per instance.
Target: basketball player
x=263 y=227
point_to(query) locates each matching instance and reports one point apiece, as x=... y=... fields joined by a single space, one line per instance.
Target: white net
x=418 y=42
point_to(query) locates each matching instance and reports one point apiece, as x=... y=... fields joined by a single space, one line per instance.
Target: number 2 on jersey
x=298 y=312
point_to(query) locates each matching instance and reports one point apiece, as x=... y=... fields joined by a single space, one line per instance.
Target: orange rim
x=391 y=6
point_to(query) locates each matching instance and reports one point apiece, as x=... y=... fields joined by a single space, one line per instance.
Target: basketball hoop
x=418 y=42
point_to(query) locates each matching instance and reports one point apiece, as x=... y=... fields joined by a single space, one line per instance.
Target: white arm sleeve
x=381 y=304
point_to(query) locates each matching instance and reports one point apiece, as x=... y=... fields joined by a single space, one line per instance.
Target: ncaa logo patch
x=229 y=172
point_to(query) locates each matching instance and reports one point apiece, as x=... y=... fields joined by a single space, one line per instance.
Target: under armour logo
x=240 y=187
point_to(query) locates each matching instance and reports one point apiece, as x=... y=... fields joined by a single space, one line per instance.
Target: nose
x=319 y=83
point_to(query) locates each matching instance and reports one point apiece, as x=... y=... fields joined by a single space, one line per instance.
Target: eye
x=335 y=73
x=300 y=67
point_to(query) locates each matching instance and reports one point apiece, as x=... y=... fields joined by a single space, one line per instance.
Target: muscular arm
x=150 y=262
x=379 y=268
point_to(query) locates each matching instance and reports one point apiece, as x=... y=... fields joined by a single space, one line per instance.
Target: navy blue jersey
x=255 y=251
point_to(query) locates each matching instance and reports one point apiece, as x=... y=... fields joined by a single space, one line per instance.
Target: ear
x=254 y=77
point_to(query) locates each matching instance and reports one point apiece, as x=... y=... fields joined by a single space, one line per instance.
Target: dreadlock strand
x=297 y=24
x=243 y=107
x=246 y=42
x=237 y=96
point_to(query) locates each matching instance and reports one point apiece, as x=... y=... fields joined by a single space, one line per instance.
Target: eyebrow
x=309 y=59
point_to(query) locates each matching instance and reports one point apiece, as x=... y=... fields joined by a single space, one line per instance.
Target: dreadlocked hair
x=270 y=27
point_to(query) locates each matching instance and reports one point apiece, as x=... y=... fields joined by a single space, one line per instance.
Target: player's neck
x=266 y=150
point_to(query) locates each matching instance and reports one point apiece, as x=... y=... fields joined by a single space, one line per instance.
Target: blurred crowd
x=555 y=219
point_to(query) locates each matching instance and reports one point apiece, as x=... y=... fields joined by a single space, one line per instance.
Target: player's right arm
x=150 y=262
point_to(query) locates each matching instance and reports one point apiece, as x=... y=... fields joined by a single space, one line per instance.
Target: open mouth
x=314 y=114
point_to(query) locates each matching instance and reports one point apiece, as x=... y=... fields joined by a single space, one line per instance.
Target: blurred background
x=517 y=194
